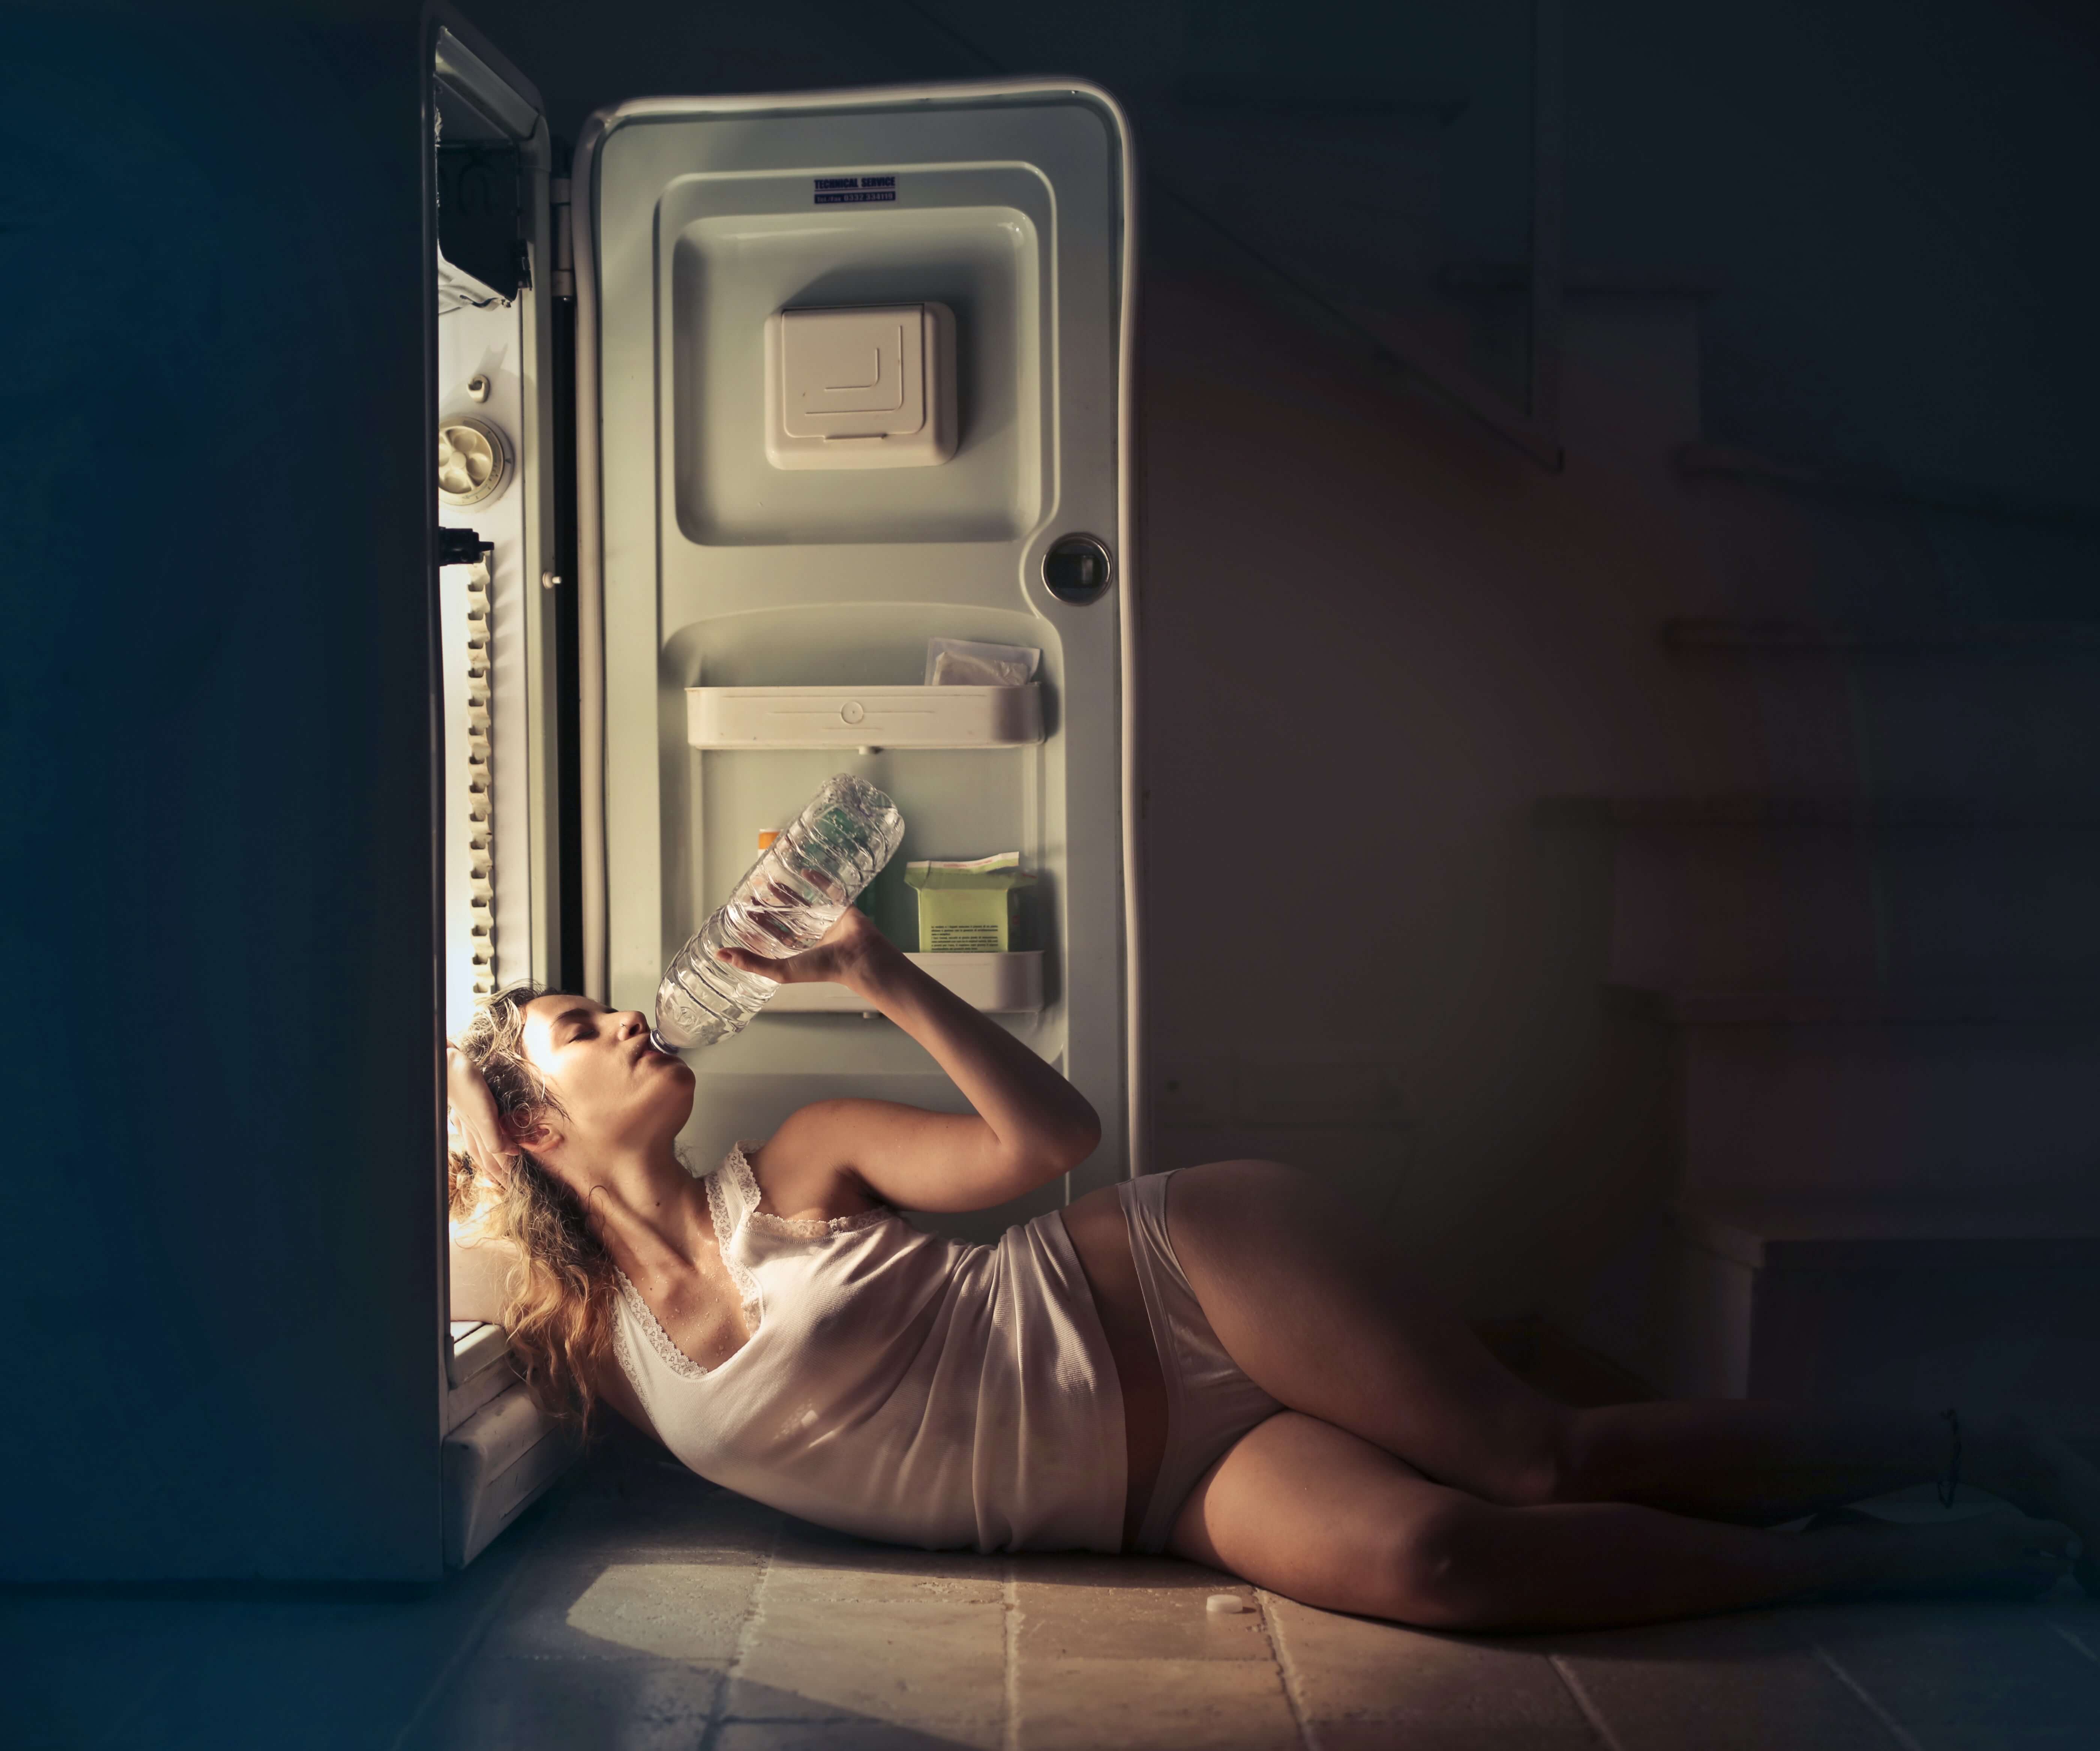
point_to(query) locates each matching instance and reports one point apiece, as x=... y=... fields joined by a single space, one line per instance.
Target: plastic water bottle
x=796 y=890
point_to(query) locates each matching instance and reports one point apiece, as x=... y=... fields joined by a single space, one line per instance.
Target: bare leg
x=1324 y=1516
x=1325 y=1320
x=1760 y=1463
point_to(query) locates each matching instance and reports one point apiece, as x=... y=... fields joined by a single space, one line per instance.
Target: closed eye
x=577 y=1021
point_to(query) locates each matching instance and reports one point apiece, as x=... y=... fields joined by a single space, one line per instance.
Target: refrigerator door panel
x=722 y=548
x=491 y=346
x=493 y=389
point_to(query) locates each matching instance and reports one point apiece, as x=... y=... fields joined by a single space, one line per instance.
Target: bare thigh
x=1323 y=1320
x=1310 y=1511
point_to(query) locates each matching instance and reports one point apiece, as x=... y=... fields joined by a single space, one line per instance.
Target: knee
x=1575 y=1469
x=1546 y=1463
x=1435 y=1571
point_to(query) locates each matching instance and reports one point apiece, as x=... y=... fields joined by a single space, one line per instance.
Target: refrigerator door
x=224 y=1309
x=854 y=373
x=492 y=355
x=492 y=351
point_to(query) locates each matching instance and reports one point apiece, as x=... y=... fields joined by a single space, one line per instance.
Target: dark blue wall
x=215 y=874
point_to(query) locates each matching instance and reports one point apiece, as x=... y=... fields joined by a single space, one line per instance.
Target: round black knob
x=1077 y=568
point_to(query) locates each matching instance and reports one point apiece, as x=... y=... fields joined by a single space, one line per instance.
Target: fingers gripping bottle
x=796 y=890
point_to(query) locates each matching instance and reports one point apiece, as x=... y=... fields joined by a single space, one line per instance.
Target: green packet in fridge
x=968 y=908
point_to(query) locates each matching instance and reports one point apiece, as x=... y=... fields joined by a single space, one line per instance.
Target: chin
x=680 y=1100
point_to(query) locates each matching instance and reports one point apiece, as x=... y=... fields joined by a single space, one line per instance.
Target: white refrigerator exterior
x=1005 y=207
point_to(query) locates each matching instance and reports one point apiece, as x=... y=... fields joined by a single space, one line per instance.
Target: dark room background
x=1620 y=791
x=1465 y=791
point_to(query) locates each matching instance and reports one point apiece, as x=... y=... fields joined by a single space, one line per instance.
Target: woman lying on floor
x=1220 y=1362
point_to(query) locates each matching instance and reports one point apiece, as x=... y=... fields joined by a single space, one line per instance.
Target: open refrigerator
x=733 y=418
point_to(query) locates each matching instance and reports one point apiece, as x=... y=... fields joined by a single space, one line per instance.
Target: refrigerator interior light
x=474 y=460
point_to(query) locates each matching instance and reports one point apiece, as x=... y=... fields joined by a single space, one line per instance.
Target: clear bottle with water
x=796 y=890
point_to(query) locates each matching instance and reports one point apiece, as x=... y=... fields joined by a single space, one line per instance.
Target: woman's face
x=616 y=1089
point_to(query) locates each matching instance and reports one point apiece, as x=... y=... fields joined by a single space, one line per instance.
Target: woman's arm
x=1031 y=1125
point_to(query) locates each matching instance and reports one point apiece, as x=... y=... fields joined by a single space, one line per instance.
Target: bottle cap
x=766 y=838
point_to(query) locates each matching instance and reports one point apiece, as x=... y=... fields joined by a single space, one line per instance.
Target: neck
x=640 y=1201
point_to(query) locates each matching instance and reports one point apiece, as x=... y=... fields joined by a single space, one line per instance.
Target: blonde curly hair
x=558 y=1298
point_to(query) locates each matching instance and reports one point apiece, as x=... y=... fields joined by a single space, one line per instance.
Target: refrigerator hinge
x=565 y=272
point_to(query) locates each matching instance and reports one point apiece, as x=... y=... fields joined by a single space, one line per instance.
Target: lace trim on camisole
x=652 y=1328
x=724 y=1220
x=735 y=1172
x=802 y=1227
x=623 y=1352
x=659 y=1340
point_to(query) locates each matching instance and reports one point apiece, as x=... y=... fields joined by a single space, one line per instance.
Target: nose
x=632 y=1021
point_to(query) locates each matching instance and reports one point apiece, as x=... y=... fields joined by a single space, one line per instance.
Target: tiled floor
x=639 y=1608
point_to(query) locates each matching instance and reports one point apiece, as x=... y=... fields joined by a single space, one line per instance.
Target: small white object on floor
x=1219 y=1604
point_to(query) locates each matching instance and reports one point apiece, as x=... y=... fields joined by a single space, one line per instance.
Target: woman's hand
x=474 y=1112
x=1030 y=1124
x=844 y=955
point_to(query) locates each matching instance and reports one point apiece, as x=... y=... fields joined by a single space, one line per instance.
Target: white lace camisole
x=896 y=1385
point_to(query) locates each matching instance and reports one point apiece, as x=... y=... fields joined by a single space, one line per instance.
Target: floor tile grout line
x=2076 y=1641
x=1287 y=1670
x=1572 y=1683
x=1009 y=1737
x=747 y=1633
x=1894 y=1729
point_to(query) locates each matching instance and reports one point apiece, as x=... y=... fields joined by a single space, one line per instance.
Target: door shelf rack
x=801 y=718
x=999 y=983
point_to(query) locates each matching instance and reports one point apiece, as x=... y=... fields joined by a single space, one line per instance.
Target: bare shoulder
x=805 y=1171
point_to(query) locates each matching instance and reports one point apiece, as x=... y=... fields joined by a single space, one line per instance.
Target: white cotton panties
x=1209 y=1403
